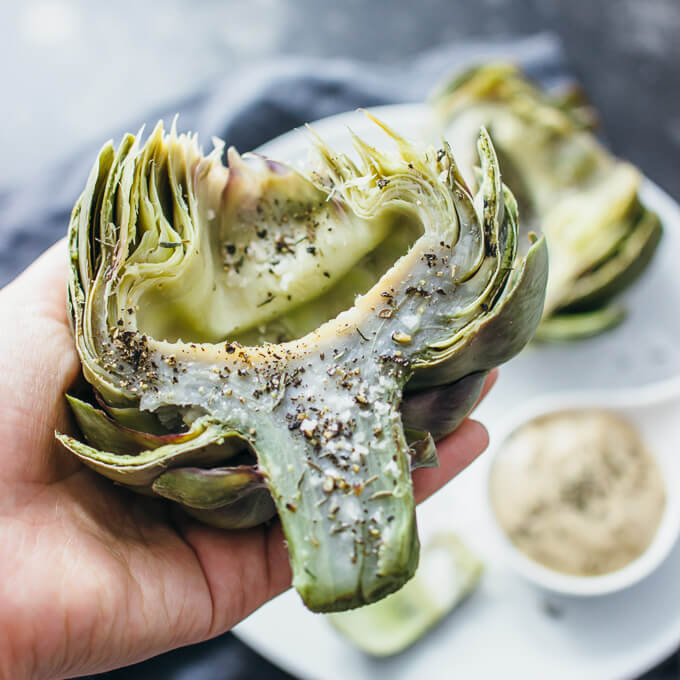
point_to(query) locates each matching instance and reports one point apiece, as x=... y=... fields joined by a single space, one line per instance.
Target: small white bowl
x=655 y=412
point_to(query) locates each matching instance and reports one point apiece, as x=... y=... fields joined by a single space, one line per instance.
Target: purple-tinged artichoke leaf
x=202 y=444
x=440 y=410
x=104 y=432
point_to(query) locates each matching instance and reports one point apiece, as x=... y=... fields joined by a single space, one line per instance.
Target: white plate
x=508 y=628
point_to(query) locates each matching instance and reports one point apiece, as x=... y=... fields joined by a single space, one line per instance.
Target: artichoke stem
x=342 y=488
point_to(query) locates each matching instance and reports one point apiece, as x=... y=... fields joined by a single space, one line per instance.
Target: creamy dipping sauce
x=577 y=491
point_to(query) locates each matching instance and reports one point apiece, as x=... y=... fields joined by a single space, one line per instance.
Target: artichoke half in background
x=568 y=187
x=263 y=342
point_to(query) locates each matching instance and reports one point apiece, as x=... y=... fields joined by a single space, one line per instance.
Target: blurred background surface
x=75 y=71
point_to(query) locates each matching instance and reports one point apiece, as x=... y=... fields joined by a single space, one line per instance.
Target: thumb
x=38 y=363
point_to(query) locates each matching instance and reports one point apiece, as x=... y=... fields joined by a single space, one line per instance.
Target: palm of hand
x=94 y=575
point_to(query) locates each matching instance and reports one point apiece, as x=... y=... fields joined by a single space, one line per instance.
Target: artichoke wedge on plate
x=264 y=342
x=568 y=187
x=448 y=572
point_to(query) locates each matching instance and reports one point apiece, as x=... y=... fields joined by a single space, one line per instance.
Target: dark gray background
x=75 y=71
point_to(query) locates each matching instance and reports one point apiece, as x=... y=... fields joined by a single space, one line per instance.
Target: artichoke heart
x=600 y=236
x=263 y=342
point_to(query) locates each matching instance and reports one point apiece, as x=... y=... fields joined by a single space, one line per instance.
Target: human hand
x=95 y=576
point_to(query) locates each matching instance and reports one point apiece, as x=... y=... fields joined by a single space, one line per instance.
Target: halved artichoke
x=584 y=200
x=262 y=342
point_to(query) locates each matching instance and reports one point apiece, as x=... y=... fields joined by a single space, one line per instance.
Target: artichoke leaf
x=228 y=497
x=440 y=410
x=422 y=449
x=250 y=511
x=208 y=489
x=103 y=431
x=202 y=443
x=134 y=419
